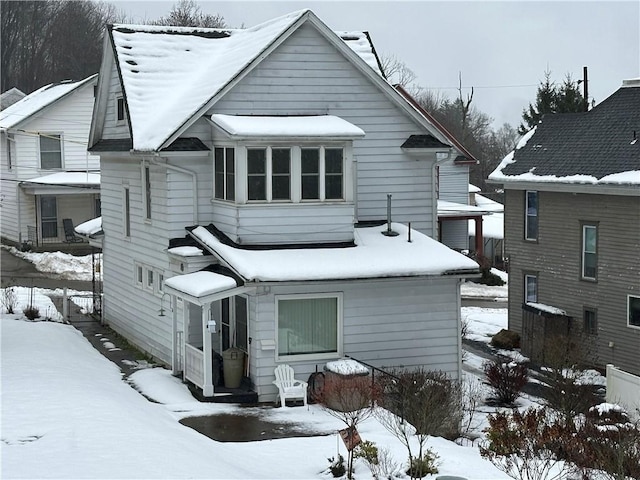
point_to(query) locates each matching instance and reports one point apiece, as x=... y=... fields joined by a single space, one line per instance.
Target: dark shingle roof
x=188 y=144
x=596 y=143
x=423 y=141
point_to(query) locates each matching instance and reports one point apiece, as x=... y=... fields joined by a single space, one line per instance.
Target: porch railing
x=194 y=365
x=35 y=239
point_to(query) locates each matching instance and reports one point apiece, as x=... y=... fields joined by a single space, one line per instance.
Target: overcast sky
x=502 y=48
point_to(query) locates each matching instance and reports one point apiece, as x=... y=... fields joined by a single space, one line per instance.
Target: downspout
x=194 y=182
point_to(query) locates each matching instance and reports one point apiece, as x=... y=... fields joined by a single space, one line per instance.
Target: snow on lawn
x=67 y=407
x=69 y=267
x=477 y=290
x=483 y=323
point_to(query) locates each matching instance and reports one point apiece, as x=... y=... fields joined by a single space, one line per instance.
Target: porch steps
x=243 y=394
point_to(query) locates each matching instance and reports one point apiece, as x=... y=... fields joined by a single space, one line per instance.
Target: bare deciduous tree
x=187 y=13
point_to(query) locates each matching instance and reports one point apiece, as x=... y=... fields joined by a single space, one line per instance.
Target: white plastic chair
x=289 y=387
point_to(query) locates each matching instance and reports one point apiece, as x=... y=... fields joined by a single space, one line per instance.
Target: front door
x=48 y=217
x=235 y=332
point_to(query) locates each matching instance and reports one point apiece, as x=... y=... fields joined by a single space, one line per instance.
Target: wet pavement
x=247 y=428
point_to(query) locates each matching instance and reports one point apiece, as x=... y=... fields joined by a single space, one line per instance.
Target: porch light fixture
x=161 y=313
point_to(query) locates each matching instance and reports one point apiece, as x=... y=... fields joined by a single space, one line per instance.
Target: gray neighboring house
x=572 y=230
x=10 y=97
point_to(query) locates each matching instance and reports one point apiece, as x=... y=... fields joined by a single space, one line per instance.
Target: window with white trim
x=224 y=165
x=149 y=281
x=589 y=252
x=50 y=151
x=633 y=311
x=139 y=274
x=294 y=174
x=531 y=215
x=309 y=326
x=146 y=188
x=10 y=141
x=530 y=288
x=126 y=214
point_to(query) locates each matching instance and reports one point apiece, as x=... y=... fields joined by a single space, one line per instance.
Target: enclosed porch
x=211 y=342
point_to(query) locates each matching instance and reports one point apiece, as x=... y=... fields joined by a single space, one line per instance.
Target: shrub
x=31 y=312
x=506 y=339
x=506 y=380
x=490 y=278
x=336 y=466
x=9 y=300
x=427 y=465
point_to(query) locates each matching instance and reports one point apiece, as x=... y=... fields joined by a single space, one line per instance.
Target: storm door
x=235 y=331
x=48 y=217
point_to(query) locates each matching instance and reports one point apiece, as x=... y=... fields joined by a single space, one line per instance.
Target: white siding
x=454 y=182
x=391 y=323
x=129 y=309
x=113 y=129
x=70 y=117
x=306 y=75
x=455 y=234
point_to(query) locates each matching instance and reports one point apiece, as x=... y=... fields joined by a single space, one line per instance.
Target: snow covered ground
x=67 y=413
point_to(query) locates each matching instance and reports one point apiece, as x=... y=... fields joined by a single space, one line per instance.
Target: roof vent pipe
x=388 y=232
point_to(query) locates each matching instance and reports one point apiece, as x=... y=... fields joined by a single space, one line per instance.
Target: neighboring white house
x=47 y=175
x=10 y=97
x=492 y=227
x=245 y=182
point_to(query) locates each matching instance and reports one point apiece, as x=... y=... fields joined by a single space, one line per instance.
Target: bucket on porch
x=232 y=367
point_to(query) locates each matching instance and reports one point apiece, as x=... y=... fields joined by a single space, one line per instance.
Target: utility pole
x=585 y=84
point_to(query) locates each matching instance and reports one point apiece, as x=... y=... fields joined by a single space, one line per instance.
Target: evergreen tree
x=552 y=98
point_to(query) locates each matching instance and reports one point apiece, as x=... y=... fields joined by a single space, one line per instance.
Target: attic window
x=120 y=110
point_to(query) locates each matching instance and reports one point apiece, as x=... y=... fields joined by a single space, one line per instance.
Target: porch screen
x=307 y=326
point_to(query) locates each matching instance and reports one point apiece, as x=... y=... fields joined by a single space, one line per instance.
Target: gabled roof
x=171 y=76
x=10 y=97
x=596 y=147
x=35 y=102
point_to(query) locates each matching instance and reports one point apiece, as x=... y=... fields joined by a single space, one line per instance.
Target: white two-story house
x=49 y=180
x=246 y=177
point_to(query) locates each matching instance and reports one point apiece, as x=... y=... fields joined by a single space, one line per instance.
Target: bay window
x=309 y=325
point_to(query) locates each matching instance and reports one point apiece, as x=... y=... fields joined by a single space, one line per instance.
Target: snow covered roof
x=360 y=42
x=596 y=147
x=186 y=251
x=298 y=126
x=453 y=209
x=68 y=178
x=170 y=74
x=375 y=255
x=488 y=204
x=90 y=227
x=546 y=308
x=10 y=97
x=474 y=189
x=201 y=284
x=36 y=101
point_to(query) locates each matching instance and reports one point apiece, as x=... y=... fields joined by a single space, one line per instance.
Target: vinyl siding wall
x=557 y=255
x=387 y=323
x=128 y=308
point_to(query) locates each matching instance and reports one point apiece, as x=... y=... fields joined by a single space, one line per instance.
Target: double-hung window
x=530 y=288
x=309 y=325
x=120 y=116
x=280 y=174
x=589 y=252
x=146 y=174
x=225 y=173
x=256 y=174
x=310 y=170
x=50 y=151
x=531 y=215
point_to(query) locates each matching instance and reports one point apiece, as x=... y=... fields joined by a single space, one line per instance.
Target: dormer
x=291 y=170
